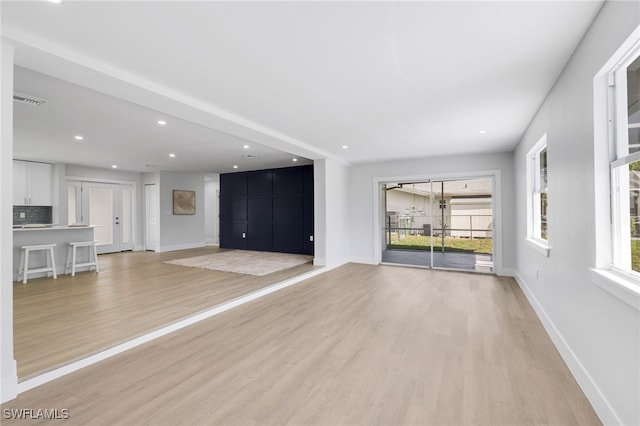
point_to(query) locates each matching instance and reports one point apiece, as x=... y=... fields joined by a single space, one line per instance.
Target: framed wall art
x=184 y=202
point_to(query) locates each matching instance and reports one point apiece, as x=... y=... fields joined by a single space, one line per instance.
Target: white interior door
x=109 y=207
x=211 y=212
x=151 y=237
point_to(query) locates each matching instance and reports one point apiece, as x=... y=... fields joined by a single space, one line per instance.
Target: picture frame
x=184 y=202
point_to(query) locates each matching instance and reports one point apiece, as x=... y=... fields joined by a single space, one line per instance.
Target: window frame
x=534 y=194
x=619 y=164
x=608 y=157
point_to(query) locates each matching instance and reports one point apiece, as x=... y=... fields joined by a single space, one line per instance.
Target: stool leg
x=21 y=267
x=66 y=261
x=53 y=263
x=25 y=271
x=47 y=258
x=73 y=262
x=95 y=255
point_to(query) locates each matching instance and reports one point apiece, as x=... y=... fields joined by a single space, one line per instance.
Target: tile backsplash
x=32 y=214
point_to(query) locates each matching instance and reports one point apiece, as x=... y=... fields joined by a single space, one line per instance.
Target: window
x=624 y=115
x=616 y=126
x=538 y=200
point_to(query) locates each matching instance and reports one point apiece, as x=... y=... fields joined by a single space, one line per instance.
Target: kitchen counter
x=60 y=235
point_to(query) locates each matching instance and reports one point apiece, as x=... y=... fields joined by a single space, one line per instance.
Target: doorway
x=439 y=223
x=109 y=207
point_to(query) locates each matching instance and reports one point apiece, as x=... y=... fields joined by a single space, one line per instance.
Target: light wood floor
x=359 y=345
x=62 y=320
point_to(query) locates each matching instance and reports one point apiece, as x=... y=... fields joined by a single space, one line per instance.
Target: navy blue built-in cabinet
x=268 y=210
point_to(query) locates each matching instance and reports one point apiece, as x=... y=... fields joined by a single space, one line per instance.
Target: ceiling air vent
x=28 y=99
x=249 y=156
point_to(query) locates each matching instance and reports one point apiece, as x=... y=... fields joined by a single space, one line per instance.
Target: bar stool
x=24 y=261
x=72 y=260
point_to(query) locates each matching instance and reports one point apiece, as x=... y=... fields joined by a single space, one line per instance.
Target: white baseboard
x=592 y=391
x=176 y=247
x=507 y=272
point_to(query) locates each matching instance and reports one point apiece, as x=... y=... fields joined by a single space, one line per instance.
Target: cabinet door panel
x=307 y=203
x=288 y=238
x=40 y=179
x=238 y=209
x=307 y=181
x=233 y=184
x=260 y=210
x=287 y=182
x=234 y=235
x=260 y=236
x=259 y=183
x=20 y=183
x=287 y=210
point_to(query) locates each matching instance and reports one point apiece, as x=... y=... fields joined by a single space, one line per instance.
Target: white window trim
x=539 y=245
x=616 y=282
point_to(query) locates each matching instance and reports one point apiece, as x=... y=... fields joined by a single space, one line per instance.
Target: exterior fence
x=460 y=226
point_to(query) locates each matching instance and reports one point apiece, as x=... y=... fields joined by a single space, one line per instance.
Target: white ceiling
x=391 y=80
x=118 y=132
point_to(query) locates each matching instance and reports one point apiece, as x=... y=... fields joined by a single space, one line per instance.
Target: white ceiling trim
x=43 y=56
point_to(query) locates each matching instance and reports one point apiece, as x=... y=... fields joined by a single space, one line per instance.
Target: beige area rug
x=244 y=262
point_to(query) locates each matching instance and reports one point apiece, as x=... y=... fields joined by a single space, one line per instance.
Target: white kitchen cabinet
x=32 y=183
x=20 y=183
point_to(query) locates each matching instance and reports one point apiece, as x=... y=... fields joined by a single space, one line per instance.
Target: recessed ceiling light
x=172 y=155
x=78 y=137
x=294 y=159
x=345 y=146
x=162 y=122
x=55 y=1
x=235 y=167
x=482 y=132
x=115 y=166
x=246 y=146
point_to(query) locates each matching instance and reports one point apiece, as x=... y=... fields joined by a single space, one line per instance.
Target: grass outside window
x=451 y=244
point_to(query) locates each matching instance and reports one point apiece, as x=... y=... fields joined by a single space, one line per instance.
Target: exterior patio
x=475 y=262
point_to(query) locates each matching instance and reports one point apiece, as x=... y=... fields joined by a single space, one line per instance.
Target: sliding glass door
x=444 y=224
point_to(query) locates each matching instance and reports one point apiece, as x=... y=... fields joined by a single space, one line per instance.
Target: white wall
x=361 y=198
x=319 y=212
x=331 y=212
x=8 y=367
x=337 y=213
x=597 y=334
x=178 y=232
